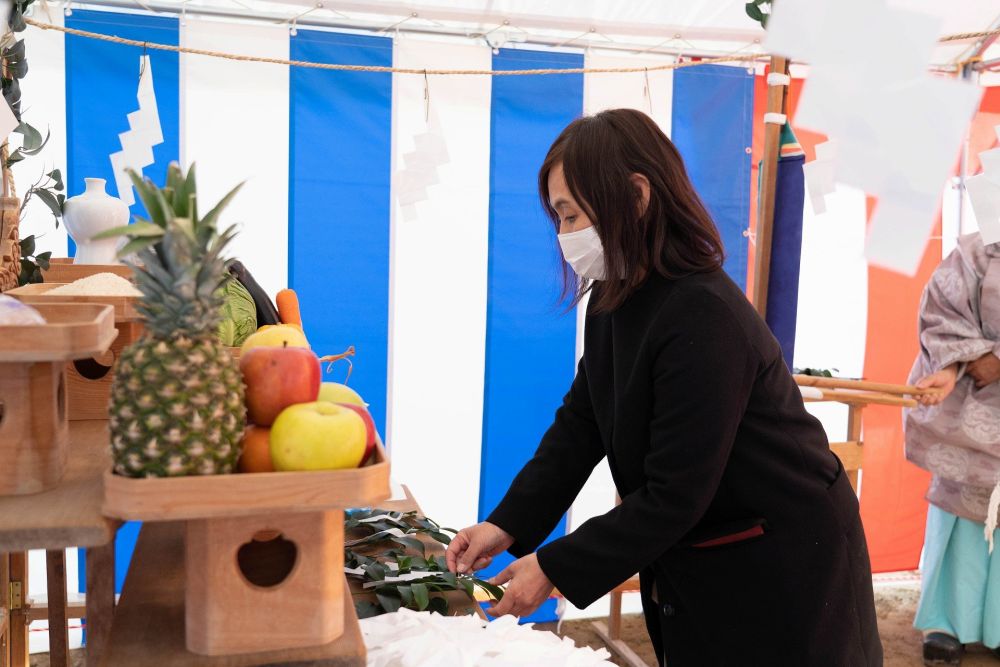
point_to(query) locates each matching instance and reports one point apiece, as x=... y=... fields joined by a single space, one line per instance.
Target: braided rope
x=437 y=72
x=395 y=70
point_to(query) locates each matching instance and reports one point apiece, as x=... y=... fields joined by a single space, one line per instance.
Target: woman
x=741 y=522
x=955 y=434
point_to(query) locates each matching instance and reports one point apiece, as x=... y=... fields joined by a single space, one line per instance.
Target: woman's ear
x=641 y=184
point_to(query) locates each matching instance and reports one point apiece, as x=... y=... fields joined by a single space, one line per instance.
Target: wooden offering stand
x=264 y=552
x=34 y=427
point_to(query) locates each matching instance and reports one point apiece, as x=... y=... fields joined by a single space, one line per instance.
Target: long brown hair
x=675 y=235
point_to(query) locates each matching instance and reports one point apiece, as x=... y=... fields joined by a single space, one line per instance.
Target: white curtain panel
x=234 y=126
x=43 y=104
x=439 y=248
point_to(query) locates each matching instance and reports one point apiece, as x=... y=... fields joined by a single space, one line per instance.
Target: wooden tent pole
x=776 y=103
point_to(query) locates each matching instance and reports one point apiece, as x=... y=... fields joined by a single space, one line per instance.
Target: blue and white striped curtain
x=463 y=350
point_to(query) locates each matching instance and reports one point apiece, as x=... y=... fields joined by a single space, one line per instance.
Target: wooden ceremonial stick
x=863 y=398
x=861 y=385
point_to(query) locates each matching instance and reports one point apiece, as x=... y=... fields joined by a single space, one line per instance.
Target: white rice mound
x=99 y=284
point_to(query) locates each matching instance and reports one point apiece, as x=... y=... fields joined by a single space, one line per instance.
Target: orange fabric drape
x=892 y=503
x=892 y=490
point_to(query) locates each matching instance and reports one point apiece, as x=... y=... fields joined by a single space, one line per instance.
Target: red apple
x=277 y=377
x=369 y=424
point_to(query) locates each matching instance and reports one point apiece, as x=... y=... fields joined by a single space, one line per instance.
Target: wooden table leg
x=615 y=617
x=854 y=435
x=4 y=610
x=100 y=600
x=55 y=563
x=18 y=617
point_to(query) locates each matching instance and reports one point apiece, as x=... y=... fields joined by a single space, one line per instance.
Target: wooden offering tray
x=71 y=331
x=39 y=293
x=89 y=379
x=65 y=270
x=34 y=426
x=245 y=494
x=260 y=548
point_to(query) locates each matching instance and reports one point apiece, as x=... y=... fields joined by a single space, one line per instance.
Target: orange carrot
x=288 y=307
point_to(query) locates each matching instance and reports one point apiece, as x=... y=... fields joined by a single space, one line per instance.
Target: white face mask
x=583 y=251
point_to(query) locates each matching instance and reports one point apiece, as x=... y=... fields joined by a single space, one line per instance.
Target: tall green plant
x=49 y=189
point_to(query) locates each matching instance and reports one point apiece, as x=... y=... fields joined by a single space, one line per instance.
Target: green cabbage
x=239 y=314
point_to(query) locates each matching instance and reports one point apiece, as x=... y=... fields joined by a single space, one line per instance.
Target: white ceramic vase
x=89 y=214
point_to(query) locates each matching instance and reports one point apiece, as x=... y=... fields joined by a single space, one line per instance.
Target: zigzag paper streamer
x=144 y=132
x=420 y=168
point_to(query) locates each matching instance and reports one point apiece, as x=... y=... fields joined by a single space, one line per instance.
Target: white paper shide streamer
x=820 y=175
x=144 y=132
x=420 y=167
x=422 y=639
x=984 y=194
x=898 y=129
x=991 y=515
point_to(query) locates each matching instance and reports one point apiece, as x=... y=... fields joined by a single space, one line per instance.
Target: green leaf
x=27 y=246
x=495 y=591
x=50 y=200
x=32 y=137
x=148 y=194
x=174 y=177
x=138 y=229
x=450 y=579
x=136 y=245
x=38 y=149
x=753 y=11
x=468 y=587
x=420 y=596
x=366 y=609
x=210 y=219
x=405 y=595
x=441 y=537
x=15 y=157
x=376 y=572
x=439 y=605
x=43 y=259
x=412 y=543
x=389 y=598
x=404 y=563
x=56 y=175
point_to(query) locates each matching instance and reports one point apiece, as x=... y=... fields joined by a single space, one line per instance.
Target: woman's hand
x=527 y=590
x=474 y=547
x=942 y=382
x=984 y=370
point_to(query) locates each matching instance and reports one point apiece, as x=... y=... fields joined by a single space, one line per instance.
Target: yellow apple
x=334 y=392
x=318 y=436
x=278 y=335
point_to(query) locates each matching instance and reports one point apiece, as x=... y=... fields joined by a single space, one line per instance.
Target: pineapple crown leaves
x=180 y=267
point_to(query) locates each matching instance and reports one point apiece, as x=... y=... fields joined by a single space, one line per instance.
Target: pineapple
x=177 y=397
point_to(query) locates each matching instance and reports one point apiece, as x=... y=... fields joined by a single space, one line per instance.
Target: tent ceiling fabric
x=699 y=27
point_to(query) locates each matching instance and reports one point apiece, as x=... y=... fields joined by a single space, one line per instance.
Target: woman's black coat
x=685 y=390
